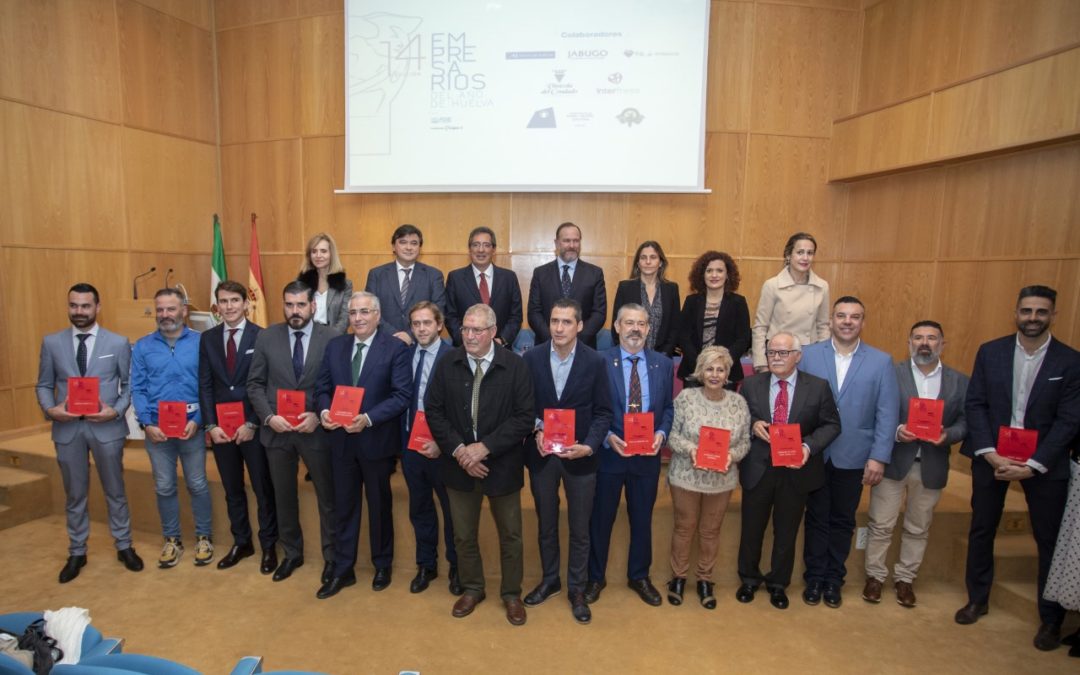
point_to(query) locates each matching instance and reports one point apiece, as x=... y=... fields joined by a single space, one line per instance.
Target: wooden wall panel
x=322 y=75
x=996 y=33
x=233 y=13
x=172 y=192
x=895 y=294
x=850 y=5
x=263 y=178
x=259 y=82
x=195 y=12
x=803 y=69
x=731 y=39
x=895 y=218
x=8 y=419
x=725 y=175
x=786 y=192
x=887 y=139
x=67 y=185
x=61 y=54
x=27 y=411
x=167 y=72
x=308 y=7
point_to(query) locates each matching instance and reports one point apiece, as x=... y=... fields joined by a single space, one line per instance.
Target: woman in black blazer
x=648 y=287
x=714 y=311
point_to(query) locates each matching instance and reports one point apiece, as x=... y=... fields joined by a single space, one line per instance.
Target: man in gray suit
x=88 y=350
x=919 y=468
x=288 y=356
x=404 y=282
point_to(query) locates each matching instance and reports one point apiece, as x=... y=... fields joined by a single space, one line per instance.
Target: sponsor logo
x=630 y=117
x=543 y=119
x=587 y=54
x=559 y=75
x=514 y=56
x=615 y=78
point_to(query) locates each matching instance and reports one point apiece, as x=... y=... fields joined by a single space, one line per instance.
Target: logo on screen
x=543 y=119
x=630 y=117
x=559 y=75
x=615 y=78
x=587 y=54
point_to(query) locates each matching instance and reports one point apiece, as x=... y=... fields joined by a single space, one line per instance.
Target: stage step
x=24 y=496
x=1018 y=598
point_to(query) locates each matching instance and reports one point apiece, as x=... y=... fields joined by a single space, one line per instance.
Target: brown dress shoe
x=905 y=594
x=871 y=592
x=515 y=611
x=466 y=604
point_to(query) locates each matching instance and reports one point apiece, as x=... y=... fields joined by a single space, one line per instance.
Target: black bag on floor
x=46 y=653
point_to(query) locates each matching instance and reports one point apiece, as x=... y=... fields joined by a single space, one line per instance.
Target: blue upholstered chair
x=93 y=644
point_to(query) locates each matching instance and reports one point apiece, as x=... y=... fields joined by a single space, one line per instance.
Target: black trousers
x=830 y=524
x=231 y=458
x=580 y=491
x=422 y=477
x=354 y=478
x=774 y=495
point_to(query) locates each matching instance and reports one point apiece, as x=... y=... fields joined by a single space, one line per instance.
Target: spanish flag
x=257 y=309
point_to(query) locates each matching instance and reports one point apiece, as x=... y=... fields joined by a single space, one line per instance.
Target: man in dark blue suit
x=566 y=375
x=1027 y=380
x=225 y=353
x=568 y=277
x=638 y=475
x=483 y=282
x=422 y=471
x=404 y=282
x=362 y=453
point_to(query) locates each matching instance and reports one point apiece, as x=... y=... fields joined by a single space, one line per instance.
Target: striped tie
x=478 y=375
x=405 y=286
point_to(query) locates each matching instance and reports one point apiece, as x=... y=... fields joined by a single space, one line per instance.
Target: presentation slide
x=517 y=95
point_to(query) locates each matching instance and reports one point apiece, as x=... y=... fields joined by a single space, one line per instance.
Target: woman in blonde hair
x=322 y=271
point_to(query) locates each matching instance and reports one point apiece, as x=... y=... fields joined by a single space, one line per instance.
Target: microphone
x=180 y=287
x=167 y=277
x=135 y=282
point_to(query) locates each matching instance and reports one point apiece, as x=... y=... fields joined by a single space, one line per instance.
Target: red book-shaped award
x=230 y=417
x=420 y=433
x=558 y=429
x=924 y=418
x=172 y=418
x=713 y=449
x=1017 y=444
x=785 y=441
x=290 y=405
x=84 y=395
x=638 y=433
x=346 y=404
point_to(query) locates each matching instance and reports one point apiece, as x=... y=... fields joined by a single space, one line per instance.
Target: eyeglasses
x=782 y=353
x=481 y=245
x=468 y=330
x=363 y=312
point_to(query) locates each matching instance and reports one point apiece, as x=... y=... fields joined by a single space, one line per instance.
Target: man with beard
x=165 y=367
x=88 y=350
x=1028 y=380
x=919 y=467
x=288 y=356
x=568 y=277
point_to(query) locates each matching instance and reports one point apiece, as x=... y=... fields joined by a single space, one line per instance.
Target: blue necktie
x=298 y=356
x=416 y=389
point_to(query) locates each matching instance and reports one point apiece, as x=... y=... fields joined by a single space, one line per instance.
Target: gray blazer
x=271 y=369
x=934 y=459
x=426 y=283
x=110 y=361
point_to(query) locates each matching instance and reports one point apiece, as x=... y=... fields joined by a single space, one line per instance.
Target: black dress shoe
x=831 y=595
x=334 y=585
x=456 y=588
x=592 y=590
x=675 y=589
x=970 y=613
x=235 y=555
x=1048 y=638
x=811 y=595
x=423 y=577
x=381 y=579
x=579 y=608
x=327 y=571
x=646 y=591
x=705 y=594
x=71 y=568
x=287 y=567
x=130 y=558
x=746 y=593
x=541 y=593
x=269 y=561
x=778 y=598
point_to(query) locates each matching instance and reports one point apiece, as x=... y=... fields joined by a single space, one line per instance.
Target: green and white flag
x=218 y=272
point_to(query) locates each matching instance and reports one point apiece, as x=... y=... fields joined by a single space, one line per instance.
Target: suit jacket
x=869 y=403
x=215 y=384
x=407 y=418
x=812 y=408
x=271 y=369
x=587 y=288
x=339 y=290
x=732 y=331
x=661 y=405
x=462 y=293
x=386 y=378
x=110 y=361
x=934 y=459
x=506 y=417
x=667 y=333
x=586 y=392
x=1053 y=407
x=425 y=283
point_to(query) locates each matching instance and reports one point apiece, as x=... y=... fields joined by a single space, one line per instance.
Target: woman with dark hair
x=322 y=271
x=795 y=301
x=649 y=287
x=714 y=314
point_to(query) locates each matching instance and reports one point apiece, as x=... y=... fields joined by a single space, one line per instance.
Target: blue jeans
x=192 y=455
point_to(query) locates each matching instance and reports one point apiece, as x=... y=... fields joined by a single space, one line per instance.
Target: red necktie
x=230 y=352
x=780 y=407
x=485 y=292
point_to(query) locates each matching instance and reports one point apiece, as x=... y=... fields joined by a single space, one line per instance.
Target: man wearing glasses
x=483 y=282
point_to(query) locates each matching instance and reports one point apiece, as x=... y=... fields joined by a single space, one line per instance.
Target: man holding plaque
x=782 y=397
x=932 y=413
x=1022 y=385
x=225 y=354
x=100 y=360
x=420 y=452
x=640 y=384
x=283 y=371
x=165 y=393
x=365 y=441
x=573 y=414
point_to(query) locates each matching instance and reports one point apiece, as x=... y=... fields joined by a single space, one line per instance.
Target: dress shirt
x=239 y=336
x=927 y=386
x=401 y=273
x=573 y=268
x=560 y=368
x=843 y=362
x=774 y=390
x=486 y=358
x=429 y=363
x=305 y=339
x=75 y=332
x=321 y=307
x=490 y=272
x=643 y=375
